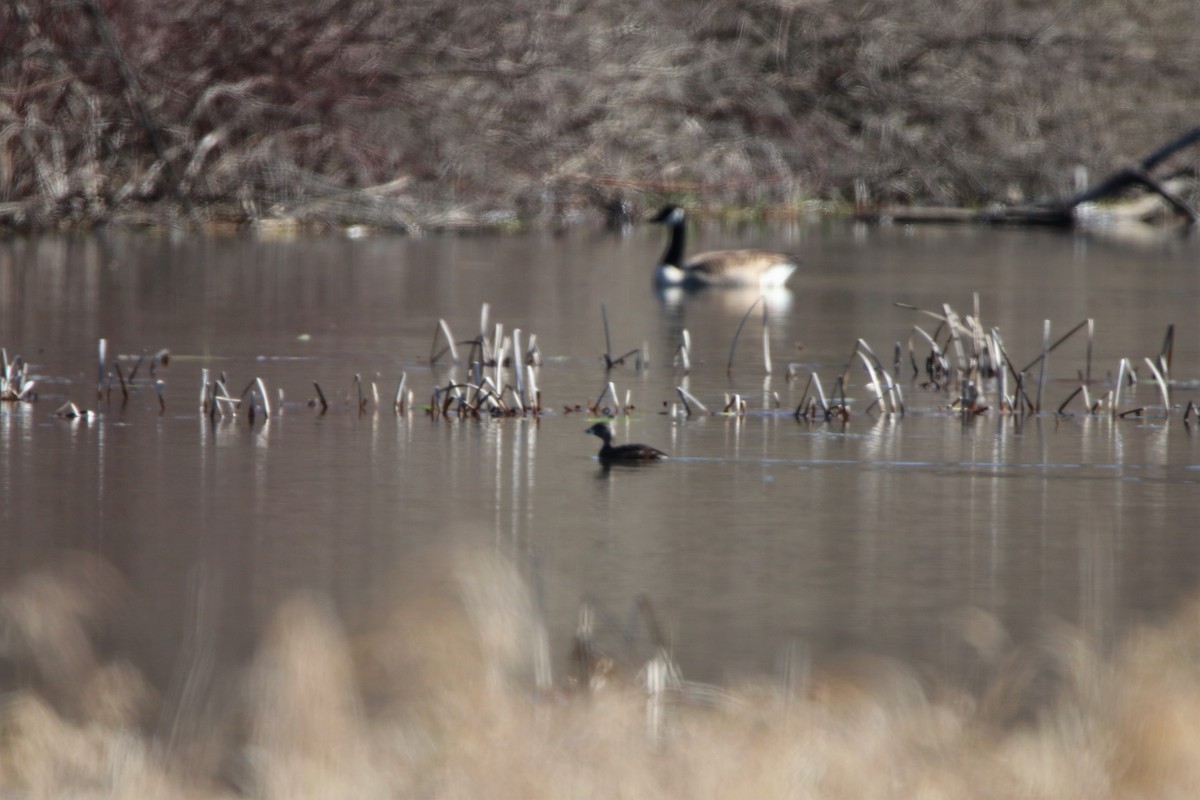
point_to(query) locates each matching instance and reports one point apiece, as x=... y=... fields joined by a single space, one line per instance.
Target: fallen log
x=1063 y=212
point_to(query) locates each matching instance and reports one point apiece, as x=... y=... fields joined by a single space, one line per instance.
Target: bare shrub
x=397 y=113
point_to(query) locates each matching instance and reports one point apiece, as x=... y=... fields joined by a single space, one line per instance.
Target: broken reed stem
x=204 y=390
x=1162 y=385
x=1042 y=372
x=358 y=385
x=1053 y=347
x=766 y=339
x=816 y=380
x=689 y=400
x=102 y=373
x=610 y=390
x=1091 y=333
x=159 y=386
x=608 y=359
x=535 y=396
x=483 y=325
x=321 y=397
x=874 y=381
x=1121 y=368
x=121 y=379
x=1070 y=397
x=133 y=372
x=955 y=327
x=266 y=398
x=737 y=333
x=442 y=330
x=1168 y=349
x=518 y=372
x=398 y=400
x=685 y=348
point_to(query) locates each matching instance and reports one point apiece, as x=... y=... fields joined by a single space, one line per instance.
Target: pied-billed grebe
x=623 y=452
x=761 y=268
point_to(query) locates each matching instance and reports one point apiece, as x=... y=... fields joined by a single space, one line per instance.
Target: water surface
x=762 y=536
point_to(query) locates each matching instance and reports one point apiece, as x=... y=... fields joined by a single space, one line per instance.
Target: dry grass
x=436 y=698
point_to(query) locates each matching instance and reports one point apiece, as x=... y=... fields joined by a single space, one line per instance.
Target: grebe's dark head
x=602 y=430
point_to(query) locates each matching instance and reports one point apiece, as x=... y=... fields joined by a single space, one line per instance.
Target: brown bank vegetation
x=441 y=696
x=437 y=112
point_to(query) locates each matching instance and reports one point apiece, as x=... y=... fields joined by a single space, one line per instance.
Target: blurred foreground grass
x=436 y=697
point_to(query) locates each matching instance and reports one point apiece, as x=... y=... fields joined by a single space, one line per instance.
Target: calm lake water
x=762 y=536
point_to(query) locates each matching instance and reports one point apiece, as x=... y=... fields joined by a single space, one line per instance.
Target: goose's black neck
x=674 y=252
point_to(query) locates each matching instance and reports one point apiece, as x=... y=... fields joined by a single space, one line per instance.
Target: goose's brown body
x=762 y=268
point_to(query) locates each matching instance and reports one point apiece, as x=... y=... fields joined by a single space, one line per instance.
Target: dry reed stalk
x=518 y=372
x=1167 y=351
x=935 y=365
x=1162 y=385
x=955 y=328
x=766 y=341
x=482 y=341
x=608 y=359
x=874 y=383
x=533 y=355
x=824 y=404
x=737 y=333
x=137 y=365
x=159 y=386
x=321 y=397
x=497 y=340
x=1121 y=368
x=683 y=354
x=1070 y=397
x=518 y=401
x=120 y=377
x=1091 y=335
x=204 y=397
x=102 y=372
x=1051 y=348
x=398 y=400
x=501 y=356
x=442 y=330
x=534 y=394
x=266 y=398
x=610 y=390
x=1000 y=363
x=689 y=401
x=1042 y=370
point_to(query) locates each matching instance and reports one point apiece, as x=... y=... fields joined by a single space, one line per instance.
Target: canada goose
x=623 y=452
x=760 y=268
